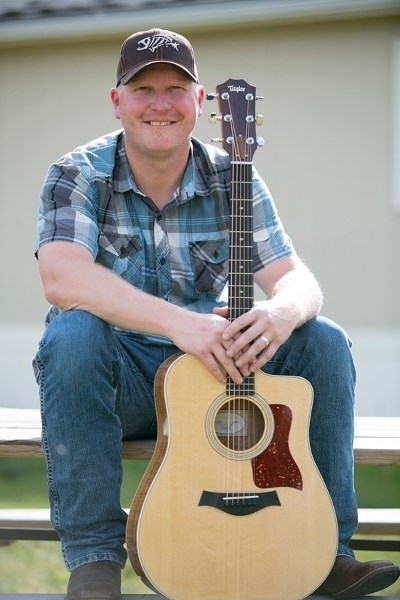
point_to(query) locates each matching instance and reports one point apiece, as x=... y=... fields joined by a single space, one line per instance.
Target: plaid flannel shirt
x=179 y=253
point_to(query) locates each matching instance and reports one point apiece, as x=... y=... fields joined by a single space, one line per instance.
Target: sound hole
x=239 y=427
x=239 y=424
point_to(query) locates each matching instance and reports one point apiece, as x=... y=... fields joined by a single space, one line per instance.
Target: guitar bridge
x=239 y=504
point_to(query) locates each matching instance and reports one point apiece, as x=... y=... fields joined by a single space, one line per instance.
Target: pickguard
x=275 y=466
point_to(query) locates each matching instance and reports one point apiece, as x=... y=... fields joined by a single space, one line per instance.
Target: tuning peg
x=260 y=141
x=217 y=140
x=211 y=96
x=260 y=120
x=259 y=97
x=213 y=118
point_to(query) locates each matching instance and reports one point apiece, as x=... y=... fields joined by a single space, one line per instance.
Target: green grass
x=23 y=482
x=378 y=486
x=37 y=567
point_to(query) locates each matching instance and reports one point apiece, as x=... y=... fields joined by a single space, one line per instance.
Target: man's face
x=158 y=109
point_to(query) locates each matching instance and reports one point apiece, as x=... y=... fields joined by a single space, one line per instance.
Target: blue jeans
x=96 y=389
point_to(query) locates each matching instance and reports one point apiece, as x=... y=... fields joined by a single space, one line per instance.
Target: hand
x=201 y=335
x=255 y=336
x=224 y=312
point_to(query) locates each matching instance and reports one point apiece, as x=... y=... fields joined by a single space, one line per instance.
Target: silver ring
x=264 y=339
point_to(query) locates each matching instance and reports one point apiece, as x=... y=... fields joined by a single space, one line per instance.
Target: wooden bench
x=377 y=442
x=34 y=524
x=149 y=596
x=377 y=439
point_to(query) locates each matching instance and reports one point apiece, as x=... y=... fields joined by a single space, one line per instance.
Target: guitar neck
x=237 y=103
x=241 y=280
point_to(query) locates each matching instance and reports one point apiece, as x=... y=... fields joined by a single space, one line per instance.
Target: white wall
x=377 y=356
x=330 y=101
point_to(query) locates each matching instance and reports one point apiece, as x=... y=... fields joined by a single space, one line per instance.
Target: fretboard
x=241 y=288
x=241 y=281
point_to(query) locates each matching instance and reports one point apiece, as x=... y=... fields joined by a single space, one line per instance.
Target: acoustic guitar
x=232 y=505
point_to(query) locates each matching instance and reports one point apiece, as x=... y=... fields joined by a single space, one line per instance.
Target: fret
x=247 y=388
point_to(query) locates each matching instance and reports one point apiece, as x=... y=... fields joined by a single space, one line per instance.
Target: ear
x=114 y=95
x=200 y=99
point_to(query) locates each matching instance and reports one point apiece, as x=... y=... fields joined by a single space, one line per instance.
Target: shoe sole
x=372 y=582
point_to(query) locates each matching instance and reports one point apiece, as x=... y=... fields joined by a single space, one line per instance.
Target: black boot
x=351 y=579
x=99 y=580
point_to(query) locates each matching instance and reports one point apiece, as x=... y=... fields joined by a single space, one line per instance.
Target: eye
x=141 y=89
x=177 y=90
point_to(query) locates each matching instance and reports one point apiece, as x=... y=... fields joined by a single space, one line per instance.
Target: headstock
x=236 y=101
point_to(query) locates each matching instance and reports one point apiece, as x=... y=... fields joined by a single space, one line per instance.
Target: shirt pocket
x=122 y=254
x=210 y=264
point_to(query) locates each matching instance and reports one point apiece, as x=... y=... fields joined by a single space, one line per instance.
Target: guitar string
x=240 y=225
x=230 y=385
x=246 y=226
x=231 y=406
x=254 y=413
x=236 y=228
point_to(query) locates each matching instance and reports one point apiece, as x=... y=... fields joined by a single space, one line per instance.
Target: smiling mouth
x=159 y=123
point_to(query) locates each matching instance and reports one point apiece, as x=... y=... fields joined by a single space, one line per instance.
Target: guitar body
x=222 y=514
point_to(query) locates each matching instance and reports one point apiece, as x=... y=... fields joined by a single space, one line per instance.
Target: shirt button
x=162 y=261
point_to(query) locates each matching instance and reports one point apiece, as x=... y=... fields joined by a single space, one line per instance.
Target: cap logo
x=156 y=41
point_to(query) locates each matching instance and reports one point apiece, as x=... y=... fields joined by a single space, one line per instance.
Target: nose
x=160 y=100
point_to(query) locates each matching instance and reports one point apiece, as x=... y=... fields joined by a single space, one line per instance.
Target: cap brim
x=130 y=74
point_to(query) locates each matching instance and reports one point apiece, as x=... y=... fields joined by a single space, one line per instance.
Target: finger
x=220 y=365
x=227 y=345
x=243 y=340
x=222 y=311
x=237 y=326
x=251 y=352
x=214 y=367
x=229 y=366
x=263 y=357
x=245 y=372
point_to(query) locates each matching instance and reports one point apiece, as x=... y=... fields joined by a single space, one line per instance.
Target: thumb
x=222 y=311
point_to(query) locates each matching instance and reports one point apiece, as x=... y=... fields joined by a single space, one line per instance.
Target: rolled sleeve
x=271 y=243
x=67 y=211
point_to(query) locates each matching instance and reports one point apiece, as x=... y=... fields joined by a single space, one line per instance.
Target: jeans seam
x=55 y=514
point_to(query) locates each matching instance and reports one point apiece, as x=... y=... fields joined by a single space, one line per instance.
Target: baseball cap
x=155 y=46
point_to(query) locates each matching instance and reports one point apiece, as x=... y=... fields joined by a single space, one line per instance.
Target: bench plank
x=20 y=435
x=379 y=521
x=34 y=524
x=371 y=520
x=149 y=596
x=377 y=439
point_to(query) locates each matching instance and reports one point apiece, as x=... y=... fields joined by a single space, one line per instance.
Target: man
x=121 y=223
